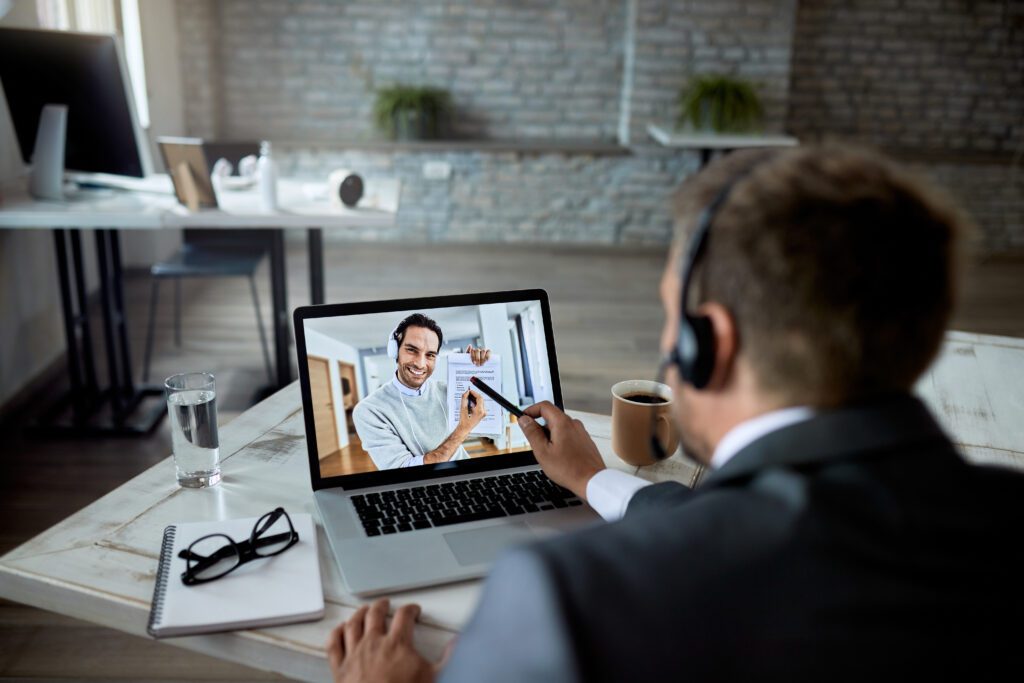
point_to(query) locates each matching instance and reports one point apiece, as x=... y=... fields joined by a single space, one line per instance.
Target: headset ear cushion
x=698 y=352
x=392 y=348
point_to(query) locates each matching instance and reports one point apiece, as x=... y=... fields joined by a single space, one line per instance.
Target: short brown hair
x=839 y=267
x=419 y=320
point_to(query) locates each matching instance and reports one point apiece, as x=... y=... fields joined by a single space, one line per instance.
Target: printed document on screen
x=460 y=369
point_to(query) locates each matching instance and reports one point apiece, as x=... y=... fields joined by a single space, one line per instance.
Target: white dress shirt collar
x=609 y=491
x=406 y=390
x=746 y=433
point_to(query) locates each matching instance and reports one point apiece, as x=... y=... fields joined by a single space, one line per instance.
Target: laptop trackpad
x=478 y=546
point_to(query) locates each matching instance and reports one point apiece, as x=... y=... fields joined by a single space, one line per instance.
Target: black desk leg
x=279 y=298
x=79 y=395
x=70 y=331
x=315 y=247
x=88 y=366
x=95 y=411
x=118 y=392
x=705 y=156
x=121 y=322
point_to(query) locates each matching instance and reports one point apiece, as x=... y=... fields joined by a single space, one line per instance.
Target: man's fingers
x=354 y=629
x=533 y=432
x=546 y=409
x=336 y=646
x=404 y=621
x=376 y=616
x=534 y=411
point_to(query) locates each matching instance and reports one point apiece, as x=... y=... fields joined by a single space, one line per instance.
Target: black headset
x=694 y=352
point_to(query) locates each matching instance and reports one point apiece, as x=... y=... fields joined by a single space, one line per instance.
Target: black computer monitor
x=86 y=72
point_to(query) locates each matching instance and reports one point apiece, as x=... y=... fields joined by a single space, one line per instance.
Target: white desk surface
x=670 y=138
x=99 y=564
x=109 y=209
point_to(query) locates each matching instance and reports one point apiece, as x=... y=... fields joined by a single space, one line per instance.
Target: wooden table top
x=99 y=564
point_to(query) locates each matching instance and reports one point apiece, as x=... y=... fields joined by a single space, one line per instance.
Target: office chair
x=207 y=253
x=212 y=253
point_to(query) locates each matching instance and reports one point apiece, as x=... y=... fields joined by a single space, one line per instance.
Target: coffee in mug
x=638 y=406
x=645 y=398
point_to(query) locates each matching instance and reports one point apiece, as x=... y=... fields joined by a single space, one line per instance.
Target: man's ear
x=727 y=343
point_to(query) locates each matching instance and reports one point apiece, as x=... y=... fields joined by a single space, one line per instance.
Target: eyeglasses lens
x=212 y=556
x=275 y=537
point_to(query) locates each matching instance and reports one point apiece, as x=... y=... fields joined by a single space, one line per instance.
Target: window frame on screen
x=363 y=480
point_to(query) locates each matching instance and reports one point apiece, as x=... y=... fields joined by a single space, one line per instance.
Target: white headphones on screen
x=393 y=345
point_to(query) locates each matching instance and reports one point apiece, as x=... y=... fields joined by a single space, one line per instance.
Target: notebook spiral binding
x=162 y=577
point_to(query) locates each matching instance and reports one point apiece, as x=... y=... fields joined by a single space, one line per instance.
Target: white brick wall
x=932 y=74
x=942 y=76
x=304 y=70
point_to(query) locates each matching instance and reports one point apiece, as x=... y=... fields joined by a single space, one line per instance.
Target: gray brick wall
x=945 y=76
x=308 y=70
x=515 y=197
x=675 y=40
x=910 y=74
x=198 y=29
x=991 y=192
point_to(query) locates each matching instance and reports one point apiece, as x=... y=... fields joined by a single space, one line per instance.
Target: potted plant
x=406 y=112
x=723 y=104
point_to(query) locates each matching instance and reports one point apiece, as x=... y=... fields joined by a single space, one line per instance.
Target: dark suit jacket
x=857 y=545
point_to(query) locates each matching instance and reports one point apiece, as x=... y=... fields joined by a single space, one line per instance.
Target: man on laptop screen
x=403 y=382
x=404 y=422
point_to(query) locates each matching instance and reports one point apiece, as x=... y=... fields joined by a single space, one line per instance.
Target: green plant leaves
x=403 y=102
x=723 y=104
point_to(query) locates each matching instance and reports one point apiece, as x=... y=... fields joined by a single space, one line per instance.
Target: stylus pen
x=502 y=401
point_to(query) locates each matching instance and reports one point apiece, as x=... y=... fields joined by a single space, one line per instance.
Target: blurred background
x=534 y=144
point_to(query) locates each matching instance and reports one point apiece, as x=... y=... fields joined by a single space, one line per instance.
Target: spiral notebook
x=282 y=589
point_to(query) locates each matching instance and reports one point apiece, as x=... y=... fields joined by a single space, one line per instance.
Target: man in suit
x=840 y=535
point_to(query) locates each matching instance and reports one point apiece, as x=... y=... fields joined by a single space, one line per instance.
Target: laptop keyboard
x=435 y=505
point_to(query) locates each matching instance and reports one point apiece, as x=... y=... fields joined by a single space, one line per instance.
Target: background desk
x=709 y=143
x=99 y=564
x=107 y=212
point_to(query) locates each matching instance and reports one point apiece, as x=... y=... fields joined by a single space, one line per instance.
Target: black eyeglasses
x=216 y=555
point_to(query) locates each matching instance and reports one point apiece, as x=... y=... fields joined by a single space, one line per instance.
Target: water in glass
x=193 y=416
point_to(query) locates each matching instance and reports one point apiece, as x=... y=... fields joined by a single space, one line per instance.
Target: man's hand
x=467 y=423
x=478 y=356
x=569 y=456
x=362 y=649
x=468 y=420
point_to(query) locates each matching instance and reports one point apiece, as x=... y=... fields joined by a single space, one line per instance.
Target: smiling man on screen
x=404 y=423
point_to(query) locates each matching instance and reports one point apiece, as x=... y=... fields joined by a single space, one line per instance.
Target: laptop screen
x=389 y=393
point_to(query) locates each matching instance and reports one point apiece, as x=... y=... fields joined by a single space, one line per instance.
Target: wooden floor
x=607 y=322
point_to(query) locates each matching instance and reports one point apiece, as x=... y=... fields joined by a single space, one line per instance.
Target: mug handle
x=666 y=434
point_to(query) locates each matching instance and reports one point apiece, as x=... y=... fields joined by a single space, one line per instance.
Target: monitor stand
x=47 y=178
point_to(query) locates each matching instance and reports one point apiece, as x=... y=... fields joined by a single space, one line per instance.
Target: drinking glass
x=192 y=407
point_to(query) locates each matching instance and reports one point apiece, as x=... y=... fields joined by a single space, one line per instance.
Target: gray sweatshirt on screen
x=396 y=430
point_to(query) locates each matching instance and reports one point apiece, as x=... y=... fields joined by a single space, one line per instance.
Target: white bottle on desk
x=267 y=178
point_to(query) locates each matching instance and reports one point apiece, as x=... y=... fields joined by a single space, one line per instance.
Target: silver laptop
x=419 y=475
